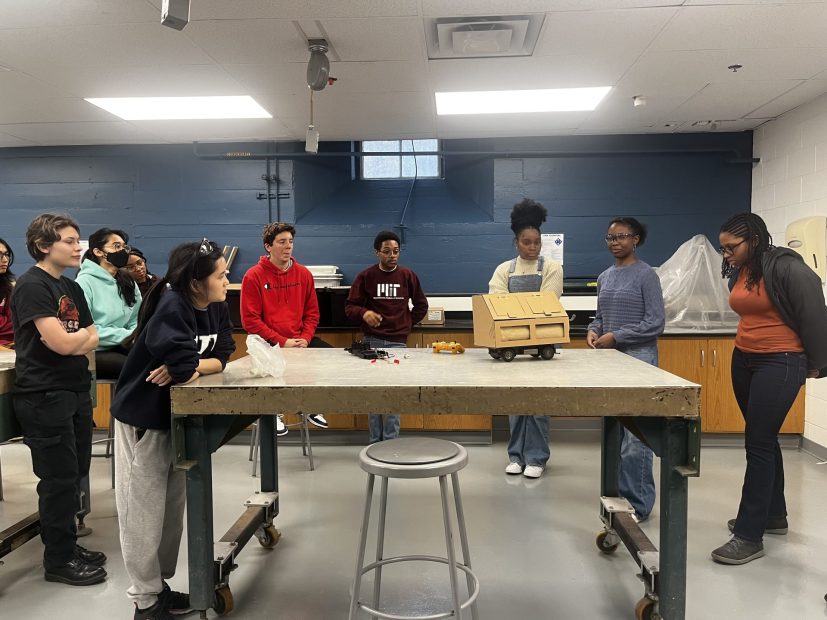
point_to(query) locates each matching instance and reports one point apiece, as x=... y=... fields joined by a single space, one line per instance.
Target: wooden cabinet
x=706 y=361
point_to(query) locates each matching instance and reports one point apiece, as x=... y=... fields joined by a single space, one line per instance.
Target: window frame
x=364 y=154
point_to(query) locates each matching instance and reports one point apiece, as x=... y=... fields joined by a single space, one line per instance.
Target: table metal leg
x=673 y=521
x=199 y=515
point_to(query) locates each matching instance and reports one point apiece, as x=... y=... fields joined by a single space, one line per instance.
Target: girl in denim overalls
x=528 y=450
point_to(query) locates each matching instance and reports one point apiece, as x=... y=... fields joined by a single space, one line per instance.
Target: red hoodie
x=277 y=304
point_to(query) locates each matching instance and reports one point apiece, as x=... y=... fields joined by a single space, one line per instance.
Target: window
x=402 y=166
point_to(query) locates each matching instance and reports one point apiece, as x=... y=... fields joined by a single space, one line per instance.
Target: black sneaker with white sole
x=317 y=419
x=175 y=603
x=775 y=525
x=738 y=551
x=156 y=612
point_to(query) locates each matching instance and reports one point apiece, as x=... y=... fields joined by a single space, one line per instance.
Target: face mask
x=118 y=259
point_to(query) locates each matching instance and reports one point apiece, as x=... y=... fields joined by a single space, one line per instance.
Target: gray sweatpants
x=150 y=497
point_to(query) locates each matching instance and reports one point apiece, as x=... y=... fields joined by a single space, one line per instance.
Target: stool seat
x=413 y=457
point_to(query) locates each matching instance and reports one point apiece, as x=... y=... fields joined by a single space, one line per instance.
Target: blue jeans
x=636 y=481
x=765 y=386
x=528 y=444
x=382 y=426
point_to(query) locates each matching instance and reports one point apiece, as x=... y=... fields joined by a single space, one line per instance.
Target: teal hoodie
x=114 y=320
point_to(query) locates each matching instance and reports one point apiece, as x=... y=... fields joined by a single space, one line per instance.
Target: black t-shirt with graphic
x=37 y=367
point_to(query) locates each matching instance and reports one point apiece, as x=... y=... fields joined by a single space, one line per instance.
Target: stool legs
x=380 y=541
x=463 y=539
x=380 y=545
x=449 y=543
x=360 y=555
x=307 y=447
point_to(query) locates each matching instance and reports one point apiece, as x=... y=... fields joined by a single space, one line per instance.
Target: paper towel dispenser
x=808 y=237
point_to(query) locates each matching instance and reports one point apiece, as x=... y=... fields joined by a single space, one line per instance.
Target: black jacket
x=795 y=291
x=178 y=335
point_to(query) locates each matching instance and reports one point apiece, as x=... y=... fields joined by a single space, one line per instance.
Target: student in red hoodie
x=378 y=299
x=278 y=300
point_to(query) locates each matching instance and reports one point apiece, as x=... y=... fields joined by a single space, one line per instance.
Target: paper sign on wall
x=553 y=246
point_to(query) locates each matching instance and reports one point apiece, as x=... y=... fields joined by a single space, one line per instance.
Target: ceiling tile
x=60 y=13
x=799 y=95
x=377 y=39
x=514 y=7
x=249 y=41
x=745 y=26
x=301 y=9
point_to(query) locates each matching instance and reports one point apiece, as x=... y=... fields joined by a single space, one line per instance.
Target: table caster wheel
x=223 y=601
x=508 y=354
x=606 y=543
x=268 y=537
x=494 y=353
x=645 y=609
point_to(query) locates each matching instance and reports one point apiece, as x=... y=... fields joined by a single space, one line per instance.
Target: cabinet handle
x=714 y=358
x=703 y=358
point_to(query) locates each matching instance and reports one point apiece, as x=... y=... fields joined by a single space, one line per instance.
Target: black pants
x=57 y=427
x=765 y=386
x=318 y=343
x=109 y=363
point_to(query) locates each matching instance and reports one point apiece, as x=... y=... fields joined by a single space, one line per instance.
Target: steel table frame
x=660 y=408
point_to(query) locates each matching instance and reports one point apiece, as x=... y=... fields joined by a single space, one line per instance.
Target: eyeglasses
x=387 y=252
x=117 y=247
x=206 y=247
x=730 y=249
x=618 y=237
x=140 y=264
x=6 y=255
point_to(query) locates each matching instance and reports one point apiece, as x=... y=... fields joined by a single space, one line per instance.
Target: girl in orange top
x=781 y=341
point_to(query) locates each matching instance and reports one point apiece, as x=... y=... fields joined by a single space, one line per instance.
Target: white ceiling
x=53 y=53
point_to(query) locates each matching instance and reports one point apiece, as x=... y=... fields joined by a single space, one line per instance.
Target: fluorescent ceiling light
x=524 y=101
x=181 y=108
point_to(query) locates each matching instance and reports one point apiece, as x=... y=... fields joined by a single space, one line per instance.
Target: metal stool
x=417 y=457
x=304 y=432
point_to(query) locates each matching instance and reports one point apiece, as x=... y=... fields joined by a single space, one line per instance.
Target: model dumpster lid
x=505 y=306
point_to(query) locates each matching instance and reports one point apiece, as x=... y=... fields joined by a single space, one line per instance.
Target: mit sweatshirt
x=114 y=320
x=278 y=305
x=179 y=335
x=387 y=292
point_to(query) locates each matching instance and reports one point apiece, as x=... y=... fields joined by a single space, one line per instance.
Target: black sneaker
x=317 y=419
x=95 y=558
x=775 y=525
x=738 y=551
x=156 y=612
x=174 y=602
x=76 y=572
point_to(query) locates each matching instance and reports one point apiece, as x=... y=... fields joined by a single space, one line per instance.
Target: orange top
x=761 y=329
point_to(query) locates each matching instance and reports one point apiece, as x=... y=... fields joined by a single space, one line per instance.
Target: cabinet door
x=721 y=412
x=454 y=422
x=684 y=357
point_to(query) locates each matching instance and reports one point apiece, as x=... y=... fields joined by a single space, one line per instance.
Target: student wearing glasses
x=184 y=332
x=630 y=317
x=378 y=300
x=112 y=296
x=528 y=449
x=6 y=286
x=780 y=342
x=136 y=267
x=54 y=332
x=278 y=301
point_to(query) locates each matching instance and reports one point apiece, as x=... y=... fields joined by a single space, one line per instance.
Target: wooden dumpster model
x=516 y=323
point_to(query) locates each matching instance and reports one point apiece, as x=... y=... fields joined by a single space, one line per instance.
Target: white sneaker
x=317 y=419
x=533 y=471
x=514 y=468
x=281 y=429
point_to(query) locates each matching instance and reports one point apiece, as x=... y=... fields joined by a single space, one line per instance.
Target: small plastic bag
x=268 y=359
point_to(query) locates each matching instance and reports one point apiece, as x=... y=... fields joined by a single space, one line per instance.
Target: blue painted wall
x=456 y=229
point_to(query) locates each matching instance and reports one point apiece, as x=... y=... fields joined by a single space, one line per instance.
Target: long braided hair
x=751 y=227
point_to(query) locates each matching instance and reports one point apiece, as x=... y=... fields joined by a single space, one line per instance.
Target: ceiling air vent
x=482 y=37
